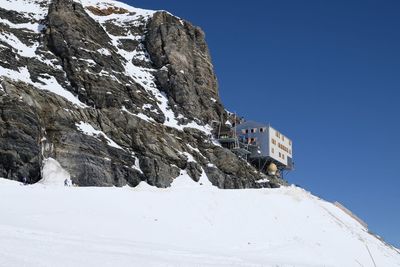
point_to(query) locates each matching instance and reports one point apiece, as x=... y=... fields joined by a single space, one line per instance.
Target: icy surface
x=187 y=225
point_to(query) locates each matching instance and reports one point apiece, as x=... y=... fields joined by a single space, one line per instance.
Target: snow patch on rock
x=53 y=173
x=88 y=129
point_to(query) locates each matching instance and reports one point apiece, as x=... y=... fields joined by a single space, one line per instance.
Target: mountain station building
x=270 y=145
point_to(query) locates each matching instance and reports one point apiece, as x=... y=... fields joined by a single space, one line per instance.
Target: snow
x=195 y=149
x=139 y=115
x=29 y=26
x=188 y=156
x=186 y=225
x=50 y=84
x=53 y=174
x=104 y=51
x=265 y=180
x=136 y=13
x=136 y=166
x=15 y=43
x=30 y=8
x=88 y=129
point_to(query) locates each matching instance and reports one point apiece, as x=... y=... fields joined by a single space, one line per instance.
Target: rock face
x=189 y=81
x=117 y=95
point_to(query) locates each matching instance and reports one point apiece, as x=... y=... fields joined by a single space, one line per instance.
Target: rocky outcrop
x=19 y=139
x=116 y=95
x=178 y=49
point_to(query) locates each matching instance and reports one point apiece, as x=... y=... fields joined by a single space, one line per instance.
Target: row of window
x=284 y=148
x=254 y=130
x=250 y=140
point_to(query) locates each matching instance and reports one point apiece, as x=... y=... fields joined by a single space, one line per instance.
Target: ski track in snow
x=186 y=225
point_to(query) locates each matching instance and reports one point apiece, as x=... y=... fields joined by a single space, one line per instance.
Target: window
x=272 y=150
x=252 y=130
x=280 y=155
x=283 y=156
x=261 y=130
x=283 y=138
x=247 y=131
x=273 y=141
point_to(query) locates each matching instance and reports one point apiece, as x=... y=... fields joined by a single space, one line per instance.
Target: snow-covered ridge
x=185 y=225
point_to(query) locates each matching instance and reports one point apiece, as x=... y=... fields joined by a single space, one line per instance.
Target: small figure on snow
x=25 y=180
x=66 y=182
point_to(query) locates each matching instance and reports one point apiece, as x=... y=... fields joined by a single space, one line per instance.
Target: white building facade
x=270 y=144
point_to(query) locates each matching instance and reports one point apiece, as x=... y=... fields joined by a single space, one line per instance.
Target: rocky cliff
x=116 y=94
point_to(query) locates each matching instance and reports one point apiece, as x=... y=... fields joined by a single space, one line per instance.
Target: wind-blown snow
x=186 y=225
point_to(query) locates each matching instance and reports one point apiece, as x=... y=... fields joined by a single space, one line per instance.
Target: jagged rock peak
x=115 y=94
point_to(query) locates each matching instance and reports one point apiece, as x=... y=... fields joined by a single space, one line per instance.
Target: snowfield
x=187 y=225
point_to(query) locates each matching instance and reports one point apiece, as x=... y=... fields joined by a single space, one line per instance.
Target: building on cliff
x=272 y=146
x=259 y=144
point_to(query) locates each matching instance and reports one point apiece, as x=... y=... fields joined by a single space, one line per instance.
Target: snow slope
x=186 y=225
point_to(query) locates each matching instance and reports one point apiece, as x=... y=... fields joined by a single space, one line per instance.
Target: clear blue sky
x=327 y=74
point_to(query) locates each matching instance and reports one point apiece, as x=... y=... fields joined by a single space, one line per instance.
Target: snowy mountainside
x=142 y=81
x=105 y=94
x=185 y=225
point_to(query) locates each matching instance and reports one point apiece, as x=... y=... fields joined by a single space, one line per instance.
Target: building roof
x=251 y=124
